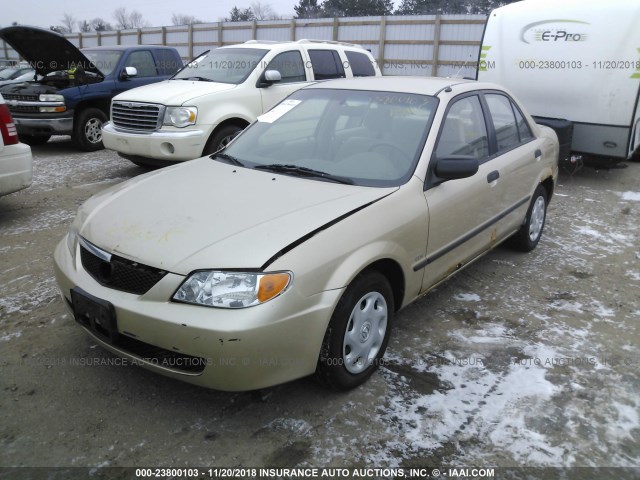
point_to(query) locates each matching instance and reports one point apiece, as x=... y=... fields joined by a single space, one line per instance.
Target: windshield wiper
x=197 y=79
x=303 y=171
x=228 y=158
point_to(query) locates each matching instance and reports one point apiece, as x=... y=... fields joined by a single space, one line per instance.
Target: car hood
x=45 y=50
x=173 y=92
x=206 y=214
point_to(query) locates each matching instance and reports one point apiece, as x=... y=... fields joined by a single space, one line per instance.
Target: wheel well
x=238 y=122
x=548 y=186
x=103 y=105
x=393 y=272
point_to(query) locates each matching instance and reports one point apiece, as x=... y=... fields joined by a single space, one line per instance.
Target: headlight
x=48 y=97
x=232 y=289
x=74 y=231
x=180 y=116
x=72 y=240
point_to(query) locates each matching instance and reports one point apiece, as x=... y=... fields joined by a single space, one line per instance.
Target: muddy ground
x=522 y=359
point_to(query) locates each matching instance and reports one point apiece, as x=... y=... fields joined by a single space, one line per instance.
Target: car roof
x=125 y=47
x=284 y=44
x=409 y=84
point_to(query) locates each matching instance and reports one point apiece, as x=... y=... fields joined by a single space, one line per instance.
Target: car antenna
x=457 y=75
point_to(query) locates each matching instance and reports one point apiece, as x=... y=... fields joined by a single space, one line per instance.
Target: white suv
x=214 y=97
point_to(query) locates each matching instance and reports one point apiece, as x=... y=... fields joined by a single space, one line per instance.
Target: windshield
x=361 y=137
x=223 y=65
x=103 y=60
x=11 y=73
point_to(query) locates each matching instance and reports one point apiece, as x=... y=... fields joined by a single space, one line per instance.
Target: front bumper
x=15 y=168
x=44 y=126
x=171 y=146
x=243 y=349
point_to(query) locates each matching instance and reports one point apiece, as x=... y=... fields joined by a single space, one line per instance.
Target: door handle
x=493 y=176
x=538 y=154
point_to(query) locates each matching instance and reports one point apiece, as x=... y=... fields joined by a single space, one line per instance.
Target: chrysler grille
x=141 y=117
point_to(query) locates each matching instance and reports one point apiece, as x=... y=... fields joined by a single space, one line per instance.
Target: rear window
x=326 y=64
x=360 y=64
x=167 y=62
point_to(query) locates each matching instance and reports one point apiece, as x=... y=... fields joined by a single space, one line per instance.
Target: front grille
x=22 y=98
x=23 y=109
x=120 y=273
x=143 y=117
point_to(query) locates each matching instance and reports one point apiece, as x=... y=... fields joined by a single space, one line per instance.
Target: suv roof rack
x=307 y=40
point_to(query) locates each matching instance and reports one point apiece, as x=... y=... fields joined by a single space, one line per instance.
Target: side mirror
x=269 y=77
x=128 y=72
x=456 y=167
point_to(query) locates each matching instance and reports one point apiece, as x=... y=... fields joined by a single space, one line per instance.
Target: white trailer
x=576 y=60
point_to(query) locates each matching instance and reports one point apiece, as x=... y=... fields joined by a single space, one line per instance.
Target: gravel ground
x=520 y=360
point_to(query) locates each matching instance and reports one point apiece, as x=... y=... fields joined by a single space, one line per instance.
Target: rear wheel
x=527 y=238
x=358 y=333
x=87 y=129
x=221 y=139
x=34 y=140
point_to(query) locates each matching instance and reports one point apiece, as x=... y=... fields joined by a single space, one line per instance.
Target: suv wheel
x=87 y=129
x=221 y=139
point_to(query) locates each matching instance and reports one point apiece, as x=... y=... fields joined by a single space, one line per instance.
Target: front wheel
x=527 y=238
x=358 y=333
x=87 y=129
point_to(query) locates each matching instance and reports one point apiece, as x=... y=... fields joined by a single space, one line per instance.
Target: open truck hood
x=45 y=50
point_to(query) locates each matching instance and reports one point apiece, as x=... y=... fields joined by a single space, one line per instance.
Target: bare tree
x=84 y=26
x=100 y=25
x=126 y=20
x=180 y=19
x=68 y=22
x=263 y=11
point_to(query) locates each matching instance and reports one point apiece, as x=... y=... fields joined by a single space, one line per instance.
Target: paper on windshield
x=279 y=110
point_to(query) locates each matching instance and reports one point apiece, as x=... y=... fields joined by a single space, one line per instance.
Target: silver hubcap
x=365 y=332
x=225 y=141
x=537 y=219
x=93 y=130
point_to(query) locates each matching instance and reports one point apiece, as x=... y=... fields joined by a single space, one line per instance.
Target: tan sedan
x=289 y=252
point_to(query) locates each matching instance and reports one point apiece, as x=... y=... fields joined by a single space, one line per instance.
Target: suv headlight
x=180 y=116
x=49 y=97
x=225 y=289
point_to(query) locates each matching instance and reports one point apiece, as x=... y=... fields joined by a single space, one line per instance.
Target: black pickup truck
x=72 y=89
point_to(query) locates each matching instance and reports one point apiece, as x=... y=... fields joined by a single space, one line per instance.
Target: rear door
x=517 y=157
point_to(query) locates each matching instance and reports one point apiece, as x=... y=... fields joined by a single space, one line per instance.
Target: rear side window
x=360 y=64
x=523 y=127
x=290 y=66
x=511 y=128
x=167 y=62
x=326 y=64
x=143 y=62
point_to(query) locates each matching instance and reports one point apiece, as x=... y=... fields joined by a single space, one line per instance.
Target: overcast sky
x=156 y=12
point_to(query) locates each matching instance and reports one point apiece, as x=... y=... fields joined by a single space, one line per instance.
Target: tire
x=362 y=318
x=221 y=138
x=34 y=140
x=527 y=238
x=87 y=129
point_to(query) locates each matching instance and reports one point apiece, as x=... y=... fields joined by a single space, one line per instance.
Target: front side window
x=464 y=131
x=363 y=137
x=223 y=65
x=326 y=64
x=143 y=63
x=290 y=66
